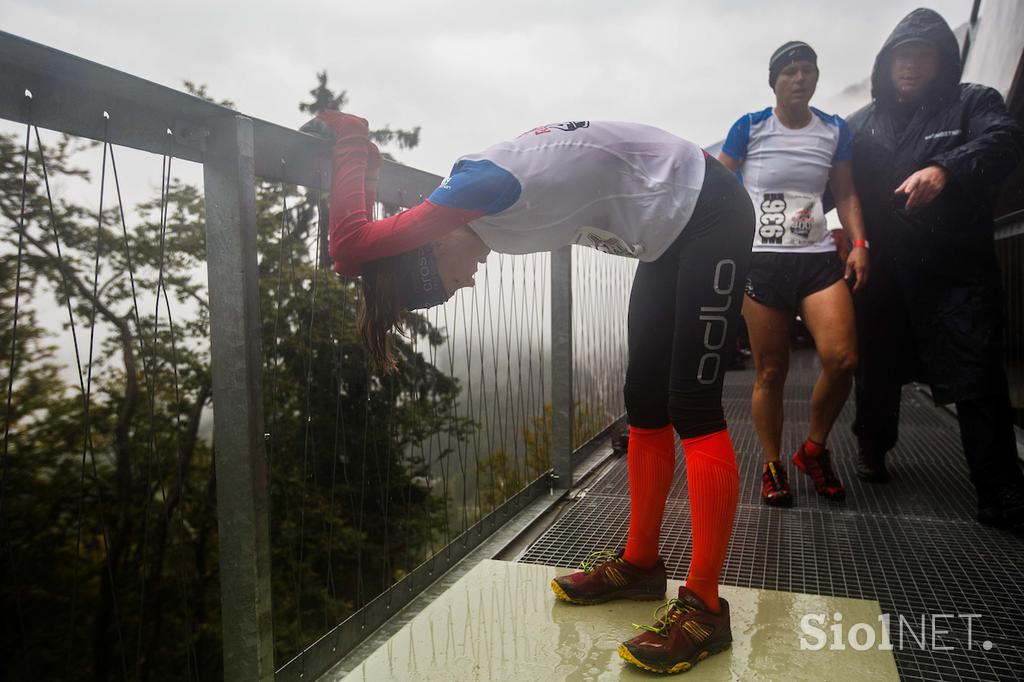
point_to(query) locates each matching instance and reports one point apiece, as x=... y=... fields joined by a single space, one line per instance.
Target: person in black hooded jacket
x=928 y=152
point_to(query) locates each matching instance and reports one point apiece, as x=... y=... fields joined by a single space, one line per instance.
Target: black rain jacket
x=937 y=262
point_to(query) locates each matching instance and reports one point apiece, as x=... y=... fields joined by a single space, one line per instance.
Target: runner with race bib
x=786 y=156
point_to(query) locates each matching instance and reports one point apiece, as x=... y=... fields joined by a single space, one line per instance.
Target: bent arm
x=844 y=193
x=354 y=242
x=354 y=238
x=848 y=207
x=994 y=147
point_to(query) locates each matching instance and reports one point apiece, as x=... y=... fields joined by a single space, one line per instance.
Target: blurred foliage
x=108 y=523
x=324 y=98
x=503 y=474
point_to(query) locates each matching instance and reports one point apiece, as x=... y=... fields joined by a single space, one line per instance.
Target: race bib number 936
x=790 y=219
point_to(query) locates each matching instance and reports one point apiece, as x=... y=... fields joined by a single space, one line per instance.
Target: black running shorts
x=783 y=280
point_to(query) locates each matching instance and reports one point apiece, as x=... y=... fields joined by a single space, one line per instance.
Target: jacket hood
x=924 y=24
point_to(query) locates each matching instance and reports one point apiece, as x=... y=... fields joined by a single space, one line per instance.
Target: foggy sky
x=474 y=73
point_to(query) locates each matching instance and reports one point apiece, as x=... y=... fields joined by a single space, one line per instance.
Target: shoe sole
x=634 y=595
x=778 y=502
x=680 y=667
x=838 y=496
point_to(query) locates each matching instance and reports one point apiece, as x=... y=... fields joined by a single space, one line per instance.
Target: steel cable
x=178 y=498
x=80 y=373
x=307 y=438
x=88 y=444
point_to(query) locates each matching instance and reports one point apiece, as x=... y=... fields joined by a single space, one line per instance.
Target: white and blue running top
x=785 y=172
x=623 y=188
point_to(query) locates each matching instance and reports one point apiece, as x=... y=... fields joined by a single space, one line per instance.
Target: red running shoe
x=606 y=576
x=775 y=486
x=819 y=468
x=685 y=632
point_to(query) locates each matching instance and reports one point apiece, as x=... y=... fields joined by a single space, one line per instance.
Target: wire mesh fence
x=372 y=472
x=108 y=472
x=106 y=514
x=601 y=286
x=133 y=533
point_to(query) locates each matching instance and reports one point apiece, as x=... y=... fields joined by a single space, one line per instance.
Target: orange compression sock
x=713 y=482
x=813 y=449
x=651 y=459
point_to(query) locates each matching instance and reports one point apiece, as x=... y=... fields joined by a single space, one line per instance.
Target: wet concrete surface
x=502 y=622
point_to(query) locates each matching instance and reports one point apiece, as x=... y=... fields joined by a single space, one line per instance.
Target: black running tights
x=684 y=311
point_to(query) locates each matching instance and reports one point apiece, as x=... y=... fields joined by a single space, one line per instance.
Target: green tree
x=118 y=452
x=502 y=476
x=108 y=517
x=326 y=99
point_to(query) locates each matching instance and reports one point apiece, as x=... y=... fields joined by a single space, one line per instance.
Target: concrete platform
x=501 y=622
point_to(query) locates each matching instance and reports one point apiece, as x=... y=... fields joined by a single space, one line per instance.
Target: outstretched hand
x=923 y=186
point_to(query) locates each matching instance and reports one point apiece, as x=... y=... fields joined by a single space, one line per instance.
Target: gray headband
x=793 y=51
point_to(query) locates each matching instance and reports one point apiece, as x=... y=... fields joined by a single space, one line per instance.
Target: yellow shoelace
x=598 y=558
x=665 y=615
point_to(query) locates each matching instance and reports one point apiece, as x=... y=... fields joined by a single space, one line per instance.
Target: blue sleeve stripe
x=478 y=185
x=738 y=138
x=844 y=149
x=759 y=116
x=844 y=143
x=827 y=118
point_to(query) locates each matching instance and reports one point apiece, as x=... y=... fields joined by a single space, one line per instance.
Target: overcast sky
x=472 y=73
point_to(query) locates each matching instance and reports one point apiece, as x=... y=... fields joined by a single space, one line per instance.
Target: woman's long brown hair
x=381 y=310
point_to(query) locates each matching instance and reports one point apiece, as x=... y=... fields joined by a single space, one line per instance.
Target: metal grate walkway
x=912 y=544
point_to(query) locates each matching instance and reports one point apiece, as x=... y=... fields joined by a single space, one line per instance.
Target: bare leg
x=829 y=317
x=769 y=330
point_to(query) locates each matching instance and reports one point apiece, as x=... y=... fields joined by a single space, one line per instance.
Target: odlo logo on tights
x=716 y=325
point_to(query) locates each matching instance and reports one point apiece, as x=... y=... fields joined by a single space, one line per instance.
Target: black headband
x=793 y=51
x=421 y=285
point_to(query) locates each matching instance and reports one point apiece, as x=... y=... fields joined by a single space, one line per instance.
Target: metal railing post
x=562 y=397
x=236 y=357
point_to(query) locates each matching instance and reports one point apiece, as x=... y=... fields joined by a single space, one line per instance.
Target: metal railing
x=346 y=490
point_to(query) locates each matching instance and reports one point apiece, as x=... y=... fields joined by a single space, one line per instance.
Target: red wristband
x=861 y=243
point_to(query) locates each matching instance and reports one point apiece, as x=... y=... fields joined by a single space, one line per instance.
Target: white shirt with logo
x=623 y=188
x=785 y=172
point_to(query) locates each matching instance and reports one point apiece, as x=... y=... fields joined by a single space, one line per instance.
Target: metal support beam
x=562 y=396
x=70 y=95
x=242 y=475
